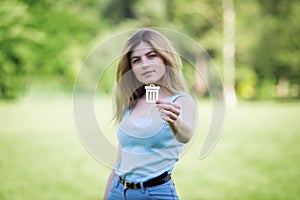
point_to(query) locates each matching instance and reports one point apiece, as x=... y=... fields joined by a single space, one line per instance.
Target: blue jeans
x=164 y=191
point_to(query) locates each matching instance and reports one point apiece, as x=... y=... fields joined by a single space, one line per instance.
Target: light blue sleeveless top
x=148 y=146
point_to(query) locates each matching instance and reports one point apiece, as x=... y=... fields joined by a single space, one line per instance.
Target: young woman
x=151 y=135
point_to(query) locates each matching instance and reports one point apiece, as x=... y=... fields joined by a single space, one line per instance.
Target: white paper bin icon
x=152 y=93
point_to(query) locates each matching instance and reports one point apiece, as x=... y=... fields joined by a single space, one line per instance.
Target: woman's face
x=147 y=65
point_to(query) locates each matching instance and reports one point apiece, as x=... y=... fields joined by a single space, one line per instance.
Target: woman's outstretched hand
x=170 y=111
x=180 y=115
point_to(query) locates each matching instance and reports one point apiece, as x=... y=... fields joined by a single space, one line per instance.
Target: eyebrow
x=151 y=51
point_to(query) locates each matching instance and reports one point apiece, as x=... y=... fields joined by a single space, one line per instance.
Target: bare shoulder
x=187 y=103
x=185 y=99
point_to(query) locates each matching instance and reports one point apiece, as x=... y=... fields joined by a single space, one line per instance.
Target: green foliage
x=246 y=82
x=43 y=40
x=17 y=39
x=107 y=79
x=266 y=90
x=65 y=26
x=267 y=42
x=278 y=46
x=46 y=41
x=118 y=10
x=201 y=20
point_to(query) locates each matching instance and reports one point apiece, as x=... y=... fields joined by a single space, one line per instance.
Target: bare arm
x=180 y=116
x=108 y=184
x=111 y=176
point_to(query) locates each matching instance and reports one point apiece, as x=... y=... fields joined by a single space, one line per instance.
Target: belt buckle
x=130 y=185
x=126 y=184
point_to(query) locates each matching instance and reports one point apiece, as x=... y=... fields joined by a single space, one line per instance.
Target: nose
x=145 y=62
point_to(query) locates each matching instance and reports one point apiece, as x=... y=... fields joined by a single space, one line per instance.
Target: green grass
x=256 y=157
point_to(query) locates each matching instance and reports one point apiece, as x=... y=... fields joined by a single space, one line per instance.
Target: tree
x=17 y=40
x=229 y=51
x=279 y=46
x=119 y=10
x=43 y=40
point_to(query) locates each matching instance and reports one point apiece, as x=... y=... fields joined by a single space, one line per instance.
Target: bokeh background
x=254 y=44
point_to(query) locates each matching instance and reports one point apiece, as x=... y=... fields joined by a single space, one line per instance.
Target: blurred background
x=255 y=45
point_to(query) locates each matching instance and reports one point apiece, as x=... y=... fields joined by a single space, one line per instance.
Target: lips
x=147 y=73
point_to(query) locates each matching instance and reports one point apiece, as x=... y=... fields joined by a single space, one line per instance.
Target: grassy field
x=256 y=157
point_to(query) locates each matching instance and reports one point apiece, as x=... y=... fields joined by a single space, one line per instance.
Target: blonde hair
x=128 y=88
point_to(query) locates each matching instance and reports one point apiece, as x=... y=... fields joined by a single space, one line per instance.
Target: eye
x=152 y=55
x=135 y=60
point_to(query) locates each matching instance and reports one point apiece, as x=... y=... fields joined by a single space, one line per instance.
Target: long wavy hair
x=128 y=88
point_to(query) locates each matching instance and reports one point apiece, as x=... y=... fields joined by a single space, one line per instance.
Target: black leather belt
x=161 y=179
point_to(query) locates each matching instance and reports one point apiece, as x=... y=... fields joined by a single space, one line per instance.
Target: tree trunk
x=201 y=77
x=229 y=52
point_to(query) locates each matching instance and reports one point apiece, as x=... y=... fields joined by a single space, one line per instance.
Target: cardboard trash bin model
x=152 y=93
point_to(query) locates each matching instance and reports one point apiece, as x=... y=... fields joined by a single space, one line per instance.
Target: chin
x=150 y=82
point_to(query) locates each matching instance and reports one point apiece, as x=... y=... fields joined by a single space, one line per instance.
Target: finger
x=166 y=118
x=159 y=101
x=176 y=105
x=169 y=104
x=169 y=114
x=169 y=108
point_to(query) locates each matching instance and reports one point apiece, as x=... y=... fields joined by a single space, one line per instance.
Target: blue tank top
x=148 y=146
